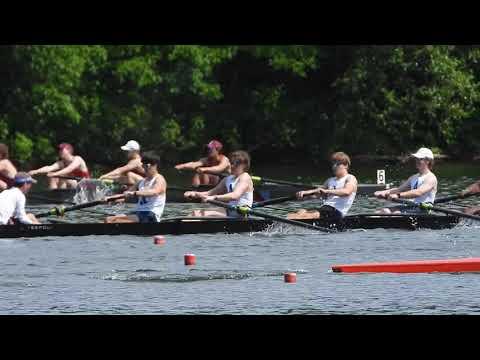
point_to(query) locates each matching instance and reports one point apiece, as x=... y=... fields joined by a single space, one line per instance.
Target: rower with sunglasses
x=214 y=163
x=421 y=187
x=236 y=189
x=339 y=192
x=151 y=194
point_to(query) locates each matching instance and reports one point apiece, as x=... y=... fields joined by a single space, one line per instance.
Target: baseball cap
x=215 y=144
x=24 y=178
x=67 y=146
x=423 y=153
x=132 y=145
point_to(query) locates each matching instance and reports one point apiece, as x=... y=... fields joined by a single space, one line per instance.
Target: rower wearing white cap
x=421 y=187
x=12 y=201
x=131 y=173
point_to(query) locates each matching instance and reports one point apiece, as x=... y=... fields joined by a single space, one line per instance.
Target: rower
x=339 y=192
x=7 y=169
x=12 y=201
x=421 y=187
x=151 y=193
x=236 y=189
x=131 y=173
x=68 y=165
x=214 y=162
x=472 y=189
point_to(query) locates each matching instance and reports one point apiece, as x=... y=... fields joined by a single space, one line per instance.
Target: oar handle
x=60 y=211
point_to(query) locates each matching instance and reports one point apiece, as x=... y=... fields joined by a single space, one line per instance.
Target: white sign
x=381 y=177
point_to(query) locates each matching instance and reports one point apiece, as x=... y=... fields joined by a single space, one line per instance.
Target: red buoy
x=190 y=259
x=290 y=277
x=422 y=266
x=159 y=240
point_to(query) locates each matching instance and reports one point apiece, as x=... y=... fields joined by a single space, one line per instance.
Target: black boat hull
x=182 y=226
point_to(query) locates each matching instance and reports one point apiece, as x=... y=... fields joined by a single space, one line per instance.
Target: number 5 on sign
x=381 y=177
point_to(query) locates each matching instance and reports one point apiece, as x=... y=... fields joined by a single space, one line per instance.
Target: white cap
x=423 y=153
x=132 y=145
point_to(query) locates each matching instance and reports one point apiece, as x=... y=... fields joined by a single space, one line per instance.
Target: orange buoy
x=159 y=240
x=420 y=266
x=190 y=259
x=290 y=277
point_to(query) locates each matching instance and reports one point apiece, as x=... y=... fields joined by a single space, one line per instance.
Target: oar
x=428 y=206
x=245 y=210
x=259 y=179
x=455 y=197
x=60 y=211
x=274 y=201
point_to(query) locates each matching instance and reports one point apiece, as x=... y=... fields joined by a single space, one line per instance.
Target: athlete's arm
x=46 y=169
x=192 y=165
x=114 y=174
x=429 y=183
x=75 y=164
x=217 y=169
x=350 y=187
x=159 y=188
x=244 y=183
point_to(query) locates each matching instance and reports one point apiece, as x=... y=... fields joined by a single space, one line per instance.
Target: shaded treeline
x=280 y=100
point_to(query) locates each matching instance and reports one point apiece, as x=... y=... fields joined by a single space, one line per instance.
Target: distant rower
x=214 y=162
x=7 y=170
x=472 y=189
x=131 y=173
x=68 y=165
x=421 y=187
x=12 y=202
x=236 y=189
x=151 y=193
x=339 y=192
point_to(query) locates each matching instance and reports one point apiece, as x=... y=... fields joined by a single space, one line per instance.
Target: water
x=238 y=273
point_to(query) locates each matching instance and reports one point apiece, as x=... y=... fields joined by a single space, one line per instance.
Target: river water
x=242 y=273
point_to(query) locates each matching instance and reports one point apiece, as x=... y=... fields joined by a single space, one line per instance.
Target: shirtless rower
x=236 y=189
x=214 y=162
x=151 y=193
x=12 y=201
x=7 y=169
x=472 y=189
x=421 y=187
x=131 y=173
x=68 y=165
x=339 y=192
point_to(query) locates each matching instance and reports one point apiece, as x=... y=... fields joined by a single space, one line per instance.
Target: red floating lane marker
x=159 y=240
x=421 y=266
x=290 y=277
x=190 y=259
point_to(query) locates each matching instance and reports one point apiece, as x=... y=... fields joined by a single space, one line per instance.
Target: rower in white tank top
x=154 y=204
x=416 y=181
x=245 y=200
x=341 y=203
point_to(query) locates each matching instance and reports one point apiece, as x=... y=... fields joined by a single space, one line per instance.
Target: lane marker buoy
x=290 y=277
x=159 y=240
x=190 y=259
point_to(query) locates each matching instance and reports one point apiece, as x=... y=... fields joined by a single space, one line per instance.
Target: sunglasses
x=147 y=166
x=237 y=162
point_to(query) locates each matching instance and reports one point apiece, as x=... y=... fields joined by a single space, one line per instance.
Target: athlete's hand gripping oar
x=428 y=206
x=245 y=210
x=60 y=211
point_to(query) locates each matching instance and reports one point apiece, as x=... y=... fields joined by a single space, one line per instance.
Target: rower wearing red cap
x=214 y=162
x=68 y=165
x=7 y=169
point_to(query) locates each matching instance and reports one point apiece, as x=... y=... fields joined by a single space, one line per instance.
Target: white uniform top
x=12 y=204
x=245 y=200
x=341 y=203
x=154 y=204
x=416 y=182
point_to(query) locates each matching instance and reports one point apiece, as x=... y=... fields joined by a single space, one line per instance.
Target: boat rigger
x=419 y=266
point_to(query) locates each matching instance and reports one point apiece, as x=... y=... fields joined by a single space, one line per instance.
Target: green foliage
x=266 y=99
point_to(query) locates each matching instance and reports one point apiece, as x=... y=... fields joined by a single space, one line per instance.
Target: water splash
x=90 y=190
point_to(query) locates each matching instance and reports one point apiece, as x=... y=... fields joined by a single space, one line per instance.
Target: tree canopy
x=291 y=99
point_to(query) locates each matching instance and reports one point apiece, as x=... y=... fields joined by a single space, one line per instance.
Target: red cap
x=65 y=146
x=215 y=144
